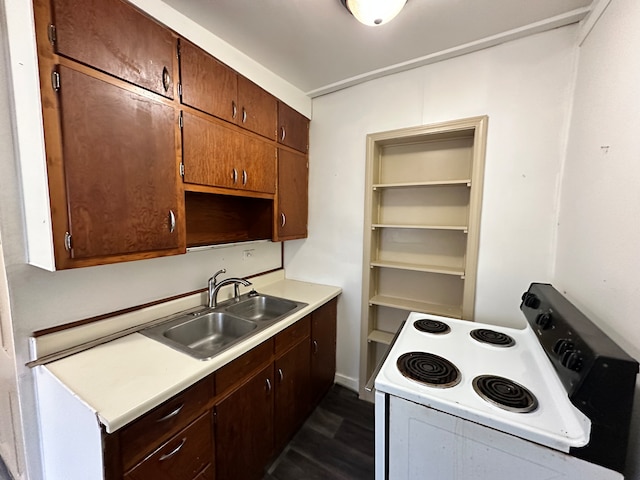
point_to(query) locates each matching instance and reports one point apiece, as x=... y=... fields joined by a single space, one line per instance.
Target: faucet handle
x=215 y=276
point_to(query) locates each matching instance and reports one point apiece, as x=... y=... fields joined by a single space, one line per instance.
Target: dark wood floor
x=336 y=442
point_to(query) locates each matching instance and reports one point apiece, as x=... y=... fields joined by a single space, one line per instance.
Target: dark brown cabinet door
x=244 y=429
x=186 y=455
x=291 y=216
x=258 y=110
x=114 y=37
x=323 y=349
x=207 y=84
x=209 y=153
x=120 y=168
x=293 y=128
x=257 y=165
x=292 y=391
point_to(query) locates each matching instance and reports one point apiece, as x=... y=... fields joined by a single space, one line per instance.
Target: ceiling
x=317 y=45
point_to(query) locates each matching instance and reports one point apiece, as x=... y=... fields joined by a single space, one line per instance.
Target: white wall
x=598 y=258
x=525 y=88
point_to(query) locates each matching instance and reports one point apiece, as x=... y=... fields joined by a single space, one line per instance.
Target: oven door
x=414 y=442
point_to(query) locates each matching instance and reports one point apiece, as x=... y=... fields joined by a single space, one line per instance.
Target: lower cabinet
x=186 y=455
x=244 y=429
x=231 y=424
x=323 y=349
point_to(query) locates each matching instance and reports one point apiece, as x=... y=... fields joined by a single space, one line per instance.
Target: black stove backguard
x=598 y=375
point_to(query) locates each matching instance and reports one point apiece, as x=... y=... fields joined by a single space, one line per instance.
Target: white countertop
x=125 y=378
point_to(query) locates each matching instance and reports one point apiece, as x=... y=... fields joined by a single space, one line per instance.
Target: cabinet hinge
x=67 y=241
x=180 y=90
x=182 y=170
x=55 y=81
x=180 y=120
x=178 y=49
x=52 y=34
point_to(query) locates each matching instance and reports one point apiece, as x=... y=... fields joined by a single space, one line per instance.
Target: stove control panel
x=597 y=374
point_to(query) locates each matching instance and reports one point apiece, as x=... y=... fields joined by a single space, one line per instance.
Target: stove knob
x=543 y=320
x=562 y=346
x=531 y=300
x=571 y=360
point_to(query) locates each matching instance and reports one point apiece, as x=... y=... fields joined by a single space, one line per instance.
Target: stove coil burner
x=505 y=393
x=492 y=337
x=431 y=326
x=428 y=369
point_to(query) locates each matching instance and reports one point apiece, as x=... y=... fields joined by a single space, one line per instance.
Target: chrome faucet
x=215 y=286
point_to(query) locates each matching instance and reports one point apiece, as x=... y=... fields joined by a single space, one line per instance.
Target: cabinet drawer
x=233 y=373
x=144 y=434
x=185 y=455
x=293 y=334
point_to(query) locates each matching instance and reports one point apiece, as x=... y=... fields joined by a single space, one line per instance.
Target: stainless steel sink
x=262 y=308
x=206 y=332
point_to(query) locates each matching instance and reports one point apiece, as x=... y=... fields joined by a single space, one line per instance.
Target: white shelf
x=453 y=311
x=379 y=336
x=435 y=183
x=457 y=271
x=461 y=228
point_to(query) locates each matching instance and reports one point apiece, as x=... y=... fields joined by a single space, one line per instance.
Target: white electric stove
x=463 y=400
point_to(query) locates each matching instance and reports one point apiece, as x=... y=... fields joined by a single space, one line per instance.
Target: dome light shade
x=374 y=12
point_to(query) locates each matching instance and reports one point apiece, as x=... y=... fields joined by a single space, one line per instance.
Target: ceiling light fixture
x=374 y=12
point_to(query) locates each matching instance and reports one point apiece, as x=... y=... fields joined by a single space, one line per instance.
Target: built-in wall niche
x=422 y=217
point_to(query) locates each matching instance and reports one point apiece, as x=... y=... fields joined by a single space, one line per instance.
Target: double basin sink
x=206 y=332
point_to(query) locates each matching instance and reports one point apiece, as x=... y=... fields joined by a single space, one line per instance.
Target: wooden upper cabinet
x=257 y=165
x=292 y=198
x=212 y=87
x=293 y=128
x=120 y=169
x=258 y=110
x=209 y=152
x=114 y=37
x=207 y=84
x=219 y=156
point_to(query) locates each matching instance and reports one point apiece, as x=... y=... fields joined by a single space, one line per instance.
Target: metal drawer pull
x=282 y=134
x=172 y=221
x=315 y=346
x=235 y=176
x=171 y=414
x=244 y=177
x=234 y=110
x=244 y=115
x=280 y=374
x=283 y=220
x=166 y=79
x=167 y=456
x=268 y=386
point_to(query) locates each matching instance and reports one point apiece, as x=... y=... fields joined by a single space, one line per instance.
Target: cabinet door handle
x=166 y=79
x=280 y=375
x=283 y=133
x=234 y=175
x=172 y=221
x=283 y=219
x=245 y=176
x=315 y=346
x=244 y=115
x=234 y=110
x=171 y=414
x=167 y=456
x=268 y=386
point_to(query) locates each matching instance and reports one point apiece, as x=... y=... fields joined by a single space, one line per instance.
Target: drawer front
x=293 y=335
x=235 y=372
x=186 y=455
x=143 y=435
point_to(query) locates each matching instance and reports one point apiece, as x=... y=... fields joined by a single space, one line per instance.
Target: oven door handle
x=372 y=380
